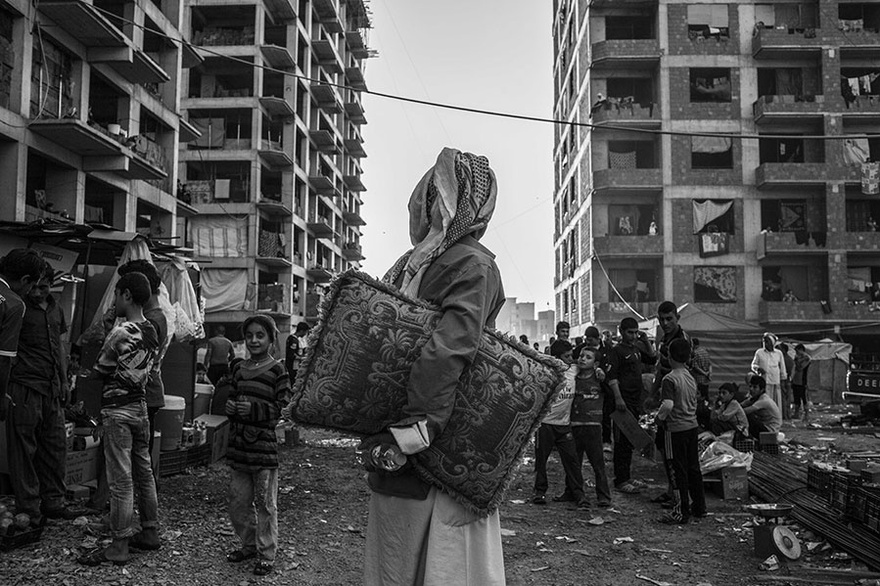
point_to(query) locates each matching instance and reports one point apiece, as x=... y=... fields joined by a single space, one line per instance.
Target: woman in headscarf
x=417 y=534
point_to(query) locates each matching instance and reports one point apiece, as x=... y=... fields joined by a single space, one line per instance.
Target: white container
x=169 y=420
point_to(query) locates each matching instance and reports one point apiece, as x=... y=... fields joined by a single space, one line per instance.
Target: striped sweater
x=252 y=442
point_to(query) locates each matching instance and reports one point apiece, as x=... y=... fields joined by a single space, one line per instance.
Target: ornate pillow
x=355 y=373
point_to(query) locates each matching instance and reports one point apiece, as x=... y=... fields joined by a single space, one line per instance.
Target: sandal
x=239 y=555
x=263 y=567
x=96 y=557
x=539 y=499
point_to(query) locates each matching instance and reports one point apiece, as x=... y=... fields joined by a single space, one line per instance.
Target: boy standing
x=586 y=420
x=677 y=420
x=125 y=362
x=555 y=432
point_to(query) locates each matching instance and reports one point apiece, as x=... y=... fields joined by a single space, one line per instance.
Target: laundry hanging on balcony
x=708 y=211
x=622 y=159
x=856 y=151
x=716 y=282
x=870 y=178
x=714 y=244
x=226 y=290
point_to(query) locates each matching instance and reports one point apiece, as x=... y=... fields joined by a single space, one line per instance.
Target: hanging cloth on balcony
x=870 y=178
x=856 y=151
x=711 y=144
x=707 y=211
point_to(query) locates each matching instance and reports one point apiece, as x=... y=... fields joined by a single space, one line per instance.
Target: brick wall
x=683 y=237
x=681 y=107
x=683 y=174
x=586 y=230
x=681 y=44
x=587 y=297
x=586 y=180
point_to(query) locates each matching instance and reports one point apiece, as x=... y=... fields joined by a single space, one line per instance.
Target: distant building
x=780 y=230
x=517 y=319
x=546 y=325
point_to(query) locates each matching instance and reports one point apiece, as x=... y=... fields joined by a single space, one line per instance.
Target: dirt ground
x=322 y=518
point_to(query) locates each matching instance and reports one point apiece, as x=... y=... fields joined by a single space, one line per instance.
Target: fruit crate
x=20 y=538
x=198 y=456
x=744 y=445
x=173 y=462
x=819 y=478
x=842 y=484
x=871 y=515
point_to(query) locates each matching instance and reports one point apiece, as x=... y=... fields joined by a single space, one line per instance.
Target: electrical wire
x=614 y=288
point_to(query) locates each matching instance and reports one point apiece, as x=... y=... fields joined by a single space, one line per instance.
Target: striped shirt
x=252 y=442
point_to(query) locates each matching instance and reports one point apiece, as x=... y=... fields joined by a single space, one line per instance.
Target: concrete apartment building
x=275 y=175
x=517 y=319
x=774 y=230
x=89 y=122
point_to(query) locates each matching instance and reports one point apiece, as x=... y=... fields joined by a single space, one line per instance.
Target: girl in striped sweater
x=261 y=388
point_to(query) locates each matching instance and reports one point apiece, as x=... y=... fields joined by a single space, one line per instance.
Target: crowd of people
x=671 y=379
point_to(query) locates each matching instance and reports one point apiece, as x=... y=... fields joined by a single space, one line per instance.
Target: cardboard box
x=82 y=466
x=734 y=483
x=218 y=434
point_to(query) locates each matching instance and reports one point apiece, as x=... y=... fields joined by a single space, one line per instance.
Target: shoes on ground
x=670 y=519
x=565 y=497
x=539 y=499
x=628 y=488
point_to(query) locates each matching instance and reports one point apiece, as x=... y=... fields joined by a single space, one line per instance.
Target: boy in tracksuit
x=677 y=421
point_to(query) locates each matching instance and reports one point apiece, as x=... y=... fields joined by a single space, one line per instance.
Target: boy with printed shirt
x=125 y=362
x=677 y=420
x=555 y=432
x=586 y=420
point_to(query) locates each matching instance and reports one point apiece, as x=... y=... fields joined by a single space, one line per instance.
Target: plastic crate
x=745 y=445
x=173 y=462
x=198 y=456
x=871 y=515
x=819 y=478
x=771 y=449
x=842 y=483
x=20 y=538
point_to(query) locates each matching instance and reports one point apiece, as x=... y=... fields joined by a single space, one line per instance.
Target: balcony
x=627 y=114
x=353 y=218
x=271 y=153
x=275 y=262
x=355 y=112
x=77 y=137
x=355 y=77
x=354 y=183
x=355 y=148
x=326 y=97
x=613 y=312
x=352 y=252
x=277 y=107
x=318 y=273
x=283 y=10
x=786 y=44
x=326 y=55
x=148 y=159
x=84 y=22
x=857 y=242
x=278 y=57
x=628 y=246
x=321 y=183
x=780 y=312
x=325 y=141
x=357 y=45
x=320 y=227
x=625 y=53
x=863 y=44
x=188 y=132
x=131 y=63
x=788 y=109
x=273 y=208
x=770 y=175
x=864 y=109
x=628 y=179
x=774 y=244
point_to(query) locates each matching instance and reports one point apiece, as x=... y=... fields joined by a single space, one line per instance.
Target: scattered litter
x=541 y=569
x=840 y=555
x=652 y=581
x=704 y=584
x=351 y=529
x=79 y=521
x=812 y=545
x=619 y=540
x=566 y=539
x=596 y=521
x=614 y=510
x=770 y=564
x=518 y=502
x=584 y=553
x=654 y=549
x=171 y=534
x=508 y=533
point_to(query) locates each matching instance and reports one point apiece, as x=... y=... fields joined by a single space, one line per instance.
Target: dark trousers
x=607 y=409
x=561 y=438
x=215 y=371
x=703 y=390
x=756 y=427
x=800 y=397
x=623 y=452
x=684 y=474
x=588 y=441
x=37 y=451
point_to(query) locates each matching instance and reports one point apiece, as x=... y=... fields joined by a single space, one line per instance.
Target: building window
x=628 y=27
x=711 y=152
x=710 y=84
x=631 y=154
x=789 y=215
x=781 y=150
x=708 y=22
x=715 y=284
x=713 y=215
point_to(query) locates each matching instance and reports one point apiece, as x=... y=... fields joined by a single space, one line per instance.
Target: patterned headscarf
x=455 y=197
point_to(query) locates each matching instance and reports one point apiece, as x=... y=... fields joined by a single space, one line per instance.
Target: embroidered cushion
x=354 y=379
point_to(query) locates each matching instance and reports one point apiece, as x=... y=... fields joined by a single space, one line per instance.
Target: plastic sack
x=184 y=305
x=719 y=455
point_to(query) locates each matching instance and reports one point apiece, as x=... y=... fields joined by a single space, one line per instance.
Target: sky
x=492 y=55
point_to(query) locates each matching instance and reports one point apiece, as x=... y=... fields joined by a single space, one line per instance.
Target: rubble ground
x=322 y=505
